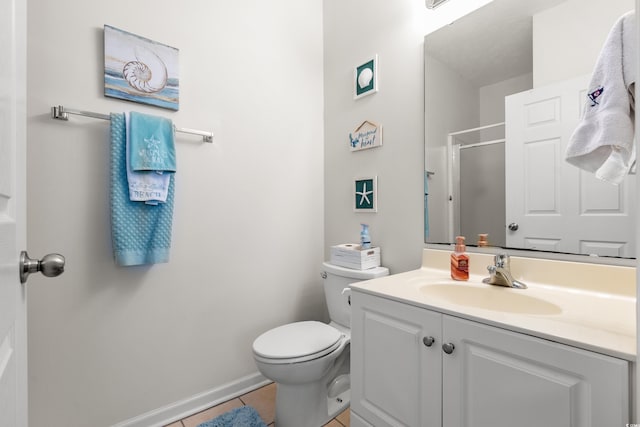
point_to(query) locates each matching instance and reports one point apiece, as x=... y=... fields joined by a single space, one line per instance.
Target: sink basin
x=496 y=298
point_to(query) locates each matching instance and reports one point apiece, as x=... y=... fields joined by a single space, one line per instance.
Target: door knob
x=51 y=265
x=513 y=226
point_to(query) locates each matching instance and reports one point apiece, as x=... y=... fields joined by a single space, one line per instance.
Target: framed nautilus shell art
x=140 y=70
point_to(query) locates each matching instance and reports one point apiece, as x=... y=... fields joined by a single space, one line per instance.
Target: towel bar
x=61 y=113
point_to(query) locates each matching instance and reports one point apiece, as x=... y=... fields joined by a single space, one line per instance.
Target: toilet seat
x=297 y=342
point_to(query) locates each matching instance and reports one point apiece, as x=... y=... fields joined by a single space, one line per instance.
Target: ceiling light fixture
x=432 y=4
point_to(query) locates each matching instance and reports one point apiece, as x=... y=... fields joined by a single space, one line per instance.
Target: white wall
x=456 y=110
x=567 y=38
x=107 y=343
x=354 y=31
x=492 y=97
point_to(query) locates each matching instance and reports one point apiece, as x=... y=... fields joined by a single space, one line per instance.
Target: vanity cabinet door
x=396 y=356
x=500 y=378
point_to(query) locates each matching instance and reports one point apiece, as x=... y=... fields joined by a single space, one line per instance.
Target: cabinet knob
x=448 y=347
x=428 y=341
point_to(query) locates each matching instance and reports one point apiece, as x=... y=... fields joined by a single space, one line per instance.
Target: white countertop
x=593 y=305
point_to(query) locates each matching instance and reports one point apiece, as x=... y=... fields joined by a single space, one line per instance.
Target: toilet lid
x=296 y=340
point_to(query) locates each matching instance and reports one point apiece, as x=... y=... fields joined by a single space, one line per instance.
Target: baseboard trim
x=199 y=402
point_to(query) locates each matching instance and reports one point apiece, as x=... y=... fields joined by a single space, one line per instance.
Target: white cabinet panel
x=401 y=375
x=396 y=378
x=356 y=421
x=499 y=378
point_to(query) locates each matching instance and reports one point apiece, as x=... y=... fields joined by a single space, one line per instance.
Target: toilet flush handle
x=348 y=292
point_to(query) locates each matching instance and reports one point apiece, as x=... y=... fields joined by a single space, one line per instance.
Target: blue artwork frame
x=140 y=70
x=366 y=194
x=365 y=78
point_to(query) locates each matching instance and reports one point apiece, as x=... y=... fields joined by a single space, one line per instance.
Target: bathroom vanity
x=429 y=351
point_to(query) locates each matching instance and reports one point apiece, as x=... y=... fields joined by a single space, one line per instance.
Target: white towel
x=603 y=142
x=145 y=186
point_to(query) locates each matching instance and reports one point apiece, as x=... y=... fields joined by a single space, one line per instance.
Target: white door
x=13 y=356
x=553 y=205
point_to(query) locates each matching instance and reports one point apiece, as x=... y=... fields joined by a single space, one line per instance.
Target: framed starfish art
x=366 y=194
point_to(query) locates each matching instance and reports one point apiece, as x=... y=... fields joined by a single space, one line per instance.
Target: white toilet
x=309 y=361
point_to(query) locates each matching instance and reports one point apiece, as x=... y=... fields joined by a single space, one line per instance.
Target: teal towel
x=244 y=416
x=151 y=143
x=140 y=233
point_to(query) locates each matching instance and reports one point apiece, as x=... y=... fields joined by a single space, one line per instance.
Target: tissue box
x=350 y=255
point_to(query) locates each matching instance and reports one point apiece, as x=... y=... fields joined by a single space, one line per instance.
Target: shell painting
x=140 y=70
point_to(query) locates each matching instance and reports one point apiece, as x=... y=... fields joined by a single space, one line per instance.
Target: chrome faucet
x=501 y=273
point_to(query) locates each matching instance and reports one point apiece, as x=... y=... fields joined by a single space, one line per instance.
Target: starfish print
x=152 y=142
x=364 y=194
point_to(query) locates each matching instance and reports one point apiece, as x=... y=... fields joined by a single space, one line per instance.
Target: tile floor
x=263 y=400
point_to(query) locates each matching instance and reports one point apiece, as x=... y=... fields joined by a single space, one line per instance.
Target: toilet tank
x=335 y=280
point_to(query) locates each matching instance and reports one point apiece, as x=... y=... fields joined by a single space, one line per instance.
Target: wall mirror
x=504 y=88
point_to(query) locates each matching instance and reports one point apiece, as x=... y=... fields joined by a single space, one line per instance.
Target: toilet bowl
x=302 y=368
x=309 y=360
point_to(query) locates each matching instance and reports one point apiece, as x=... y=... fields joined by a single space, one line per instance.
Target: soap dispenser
x=365 y=239
x=460 y=261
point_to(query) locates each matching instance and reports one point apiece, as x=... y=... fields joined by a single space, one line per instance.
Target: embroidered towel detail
x=145 y=186
x=151 y=143
x=140 y=233
x=603 y=142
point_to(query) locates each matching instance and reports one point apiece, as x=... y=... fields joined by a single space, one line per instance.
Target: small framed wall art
x=365 y=78
x=366 y=194
x=366 y=135
x=140 y=70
